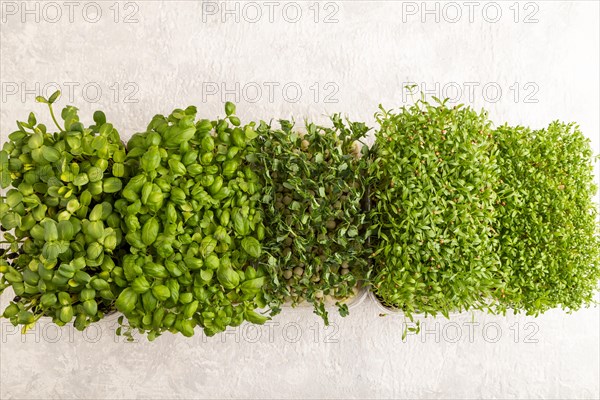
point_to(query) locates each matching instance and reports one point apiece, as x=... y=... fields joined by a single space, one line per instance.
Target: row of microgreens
x=212 y=223
x=470 y=217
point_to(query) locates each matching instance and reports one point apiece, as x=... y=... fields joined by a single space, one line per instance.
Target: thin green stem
x=54 y=117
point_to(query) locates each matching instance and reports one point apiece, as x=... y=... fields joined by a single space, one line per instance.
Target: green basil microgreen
x=192 y=214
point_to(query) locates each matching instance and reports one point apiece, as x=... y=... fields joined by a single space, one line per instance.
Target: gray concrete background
x=528 y=63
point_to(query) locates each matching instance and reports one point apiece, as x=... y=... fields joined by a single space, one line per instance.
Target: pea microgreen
x=316 y=235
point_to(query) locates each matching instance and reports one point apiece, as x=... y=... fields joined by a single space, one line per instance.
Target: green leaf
x=140 y=285
x=155 y=270
x=48 y=300
x=112 y=185
x=207 y=246
x=96 y=214
x=151 y=159
x=65 y=230
x=25 y=317
x=212 y=262
x=99 y=143
x=176 y=136
x=5 y=178
x=227 y=276
x=54 y=97
x=90 y=307
x=229 y=108
x=253 y=286
x=50 y=154
x=251 y=246
x=10 y=221
x=95 y=174
x=81 y=179
x=126 y=301
x=255 y=317
x=150 y=231
x=161 y=292
x=66 y=314
x=50 y=230
x=99 y=118
x=95 y=230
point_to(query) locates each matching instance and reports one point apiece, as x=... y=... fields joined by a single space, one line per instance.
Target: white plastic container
x=396 y=312
x=360 y=295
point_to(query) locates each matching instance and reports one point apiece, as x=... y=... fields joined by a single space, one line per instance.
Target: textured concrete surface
x=356 y=55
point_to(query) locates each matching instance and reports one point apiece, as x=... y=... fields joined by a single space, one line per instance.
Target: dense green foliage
x=547 y=222
x=67 y=236
x=210 y=223
x=315 y=185
x=194 y=224
x=433 y=176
